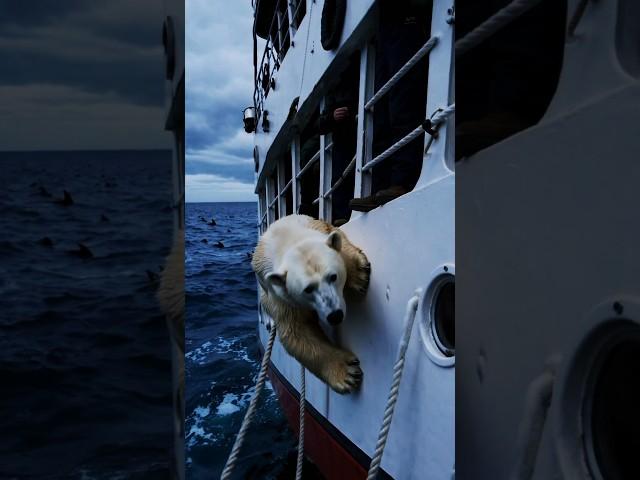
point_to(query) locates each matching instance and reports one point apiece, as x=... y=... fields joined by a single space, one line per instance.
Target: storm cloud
x=82 y=75
x=219 y=85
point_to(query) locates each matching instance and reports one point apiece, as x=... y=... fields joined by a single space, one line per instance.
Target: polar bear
x=303 y=266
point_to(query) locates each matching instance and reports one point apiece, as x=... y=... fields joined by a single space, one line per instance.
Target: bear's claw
x=346 y=375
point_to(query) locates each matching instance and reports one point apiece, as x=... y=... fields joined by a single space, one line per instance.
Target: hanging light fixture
x=249 y=119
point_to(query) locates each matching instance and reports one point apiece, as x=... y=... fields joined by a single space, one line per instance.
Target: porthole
x=443 y=326
x=437 y=316
x=597 y=392
x=610 y=412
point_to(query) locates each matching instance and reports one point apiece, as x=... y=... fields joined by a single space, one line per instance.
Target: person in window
x=309 y=182
x=403 y=29
x=339 y=119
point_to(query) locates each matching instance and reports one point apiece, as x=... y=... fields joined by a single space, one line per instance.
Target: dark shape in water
x=46 y=242
x=44 y=192
x=66 y=201
x=202 y=219
x=212 y=222
x=228 y=230
x=204 y=240
x=104 y=218
x=152 y=276
x=219 y=244
x=82 y=252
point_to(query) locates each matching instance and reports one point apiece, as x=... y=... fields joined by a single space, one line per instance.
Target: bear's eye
x=309 y=289
x=332 y=278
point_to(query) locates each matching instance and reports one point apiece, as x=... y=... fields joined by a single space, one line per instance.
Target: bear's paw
x=344 y=373
x=362 y=274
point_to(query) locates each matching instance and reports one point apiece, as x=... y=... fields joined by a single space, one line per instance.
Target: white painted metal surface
x=557 y=202
x=406 y=240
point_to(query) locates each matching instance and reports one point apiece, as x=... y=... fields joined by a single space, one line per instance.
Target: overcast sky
x=82 y=74
x=219 y=85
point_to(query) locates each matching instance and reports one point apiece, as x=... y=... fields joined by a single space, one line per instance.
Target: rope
x=300 y=459
x=426 y=48
x=493 y=24
x=430 y=126
x=410 y=316
x=248 y=416
x=339 y=181
x=308 y=165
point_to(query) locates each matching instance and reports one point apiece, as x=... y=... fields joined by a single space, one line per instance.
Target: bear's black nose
x=335 y=317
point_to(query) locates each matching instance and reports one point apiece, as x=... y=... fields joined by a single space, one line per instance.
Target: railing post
x=282 y=199
x=324 y=206
x=269 y=188
x=280 y=36
x=438 y=161
x=292 y=27
x=365 y=121
x=295 y=170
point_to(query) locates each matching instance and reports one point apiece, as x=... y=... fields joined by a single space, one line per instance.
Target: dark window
x=505 y=84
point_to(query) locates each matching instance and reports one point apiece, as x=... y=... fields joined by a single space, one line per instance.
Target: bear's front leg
x=303 y=338
x=358 y=267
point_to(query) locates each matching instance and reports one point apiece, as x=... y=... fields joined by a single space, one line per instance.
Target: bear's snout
x=335 y=317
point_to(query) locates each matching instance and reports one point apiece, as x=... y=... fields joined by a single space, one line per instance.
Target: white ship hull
x=409 y=242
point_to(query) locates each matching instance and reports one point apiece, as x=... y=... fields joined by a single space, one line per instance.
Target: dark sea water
x=84 y=350
x=221 y=343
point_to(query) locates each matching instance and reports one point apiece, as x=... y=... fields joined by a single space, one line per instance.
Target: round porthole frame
x=432 y=345
x=604 y=325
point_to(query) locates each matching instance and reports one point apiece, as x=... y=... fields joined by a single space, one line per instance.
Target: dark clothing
x=343 y=135
x=402 y=31
x=516 y=70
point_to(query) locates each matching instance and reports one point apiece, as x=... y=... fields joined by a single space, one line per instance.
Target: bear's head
x=312 y=275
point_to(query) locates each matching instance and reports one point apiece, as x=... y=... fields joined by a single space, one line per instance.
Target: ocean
x=222 y=359
x=84 y=351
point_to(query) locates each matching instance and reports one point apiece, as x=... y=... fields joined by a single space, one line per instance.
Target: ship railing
x=429 y=126
x=280 y=38
x=282 y=192
x=338 y=182
x=500 y=19
x=420 y=54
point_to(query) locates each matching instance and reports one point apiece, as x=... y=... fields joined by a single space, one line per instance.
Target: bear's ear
x=278 y=279
x=335 y=240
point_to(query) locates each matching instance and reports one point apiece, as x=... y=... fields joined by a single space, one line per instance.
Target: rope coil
x=409 y=318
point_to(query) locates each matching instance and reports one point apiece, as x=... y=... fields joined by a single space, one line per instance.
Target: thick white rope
x=248 y=416
x=303 y=389
x=436 y=119
x=426 y=48
x=494 y=23
x=410 y=316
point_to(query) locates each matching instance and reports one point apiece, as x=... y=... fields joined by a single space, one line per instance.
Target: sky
x=82 y=74
x=219 y=85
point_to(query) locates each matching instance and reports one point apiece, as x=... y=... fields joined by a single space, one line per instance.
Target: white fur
x=302 y=257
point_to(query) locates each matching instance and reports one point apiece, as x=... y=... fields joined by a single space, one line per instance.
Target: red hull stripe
x=335 y=455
